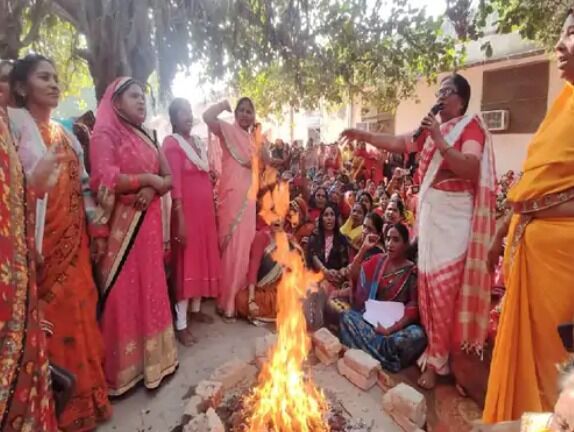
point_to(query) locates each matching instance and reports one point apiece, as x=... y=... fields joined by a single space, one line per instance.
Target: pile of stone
x=200 y=414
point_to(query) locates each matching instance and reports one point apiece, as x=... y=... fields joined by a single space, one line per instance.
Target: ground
x=161 y=410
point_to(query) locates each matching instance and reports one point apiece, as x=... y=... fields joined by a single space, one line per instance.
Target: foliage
x=336 y=50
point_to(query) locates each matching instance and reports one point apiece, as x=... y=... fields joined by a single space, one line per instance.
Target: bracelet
x=134 y=182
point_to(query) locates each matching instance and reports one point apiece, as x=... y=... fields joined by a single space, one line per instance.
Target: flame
x=284 y=399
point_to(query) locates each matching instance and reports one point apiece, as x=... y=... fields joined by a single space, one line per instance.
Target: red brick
x=362 y=363
x=326 y=359
x=364 y=383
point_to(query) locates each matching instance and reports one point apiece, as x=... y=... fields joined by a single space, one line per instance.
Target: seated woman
x=353 y=228
x=327 y=250
x=259 y=301
x=317 y=203
x=297 y=224
x=389 y=277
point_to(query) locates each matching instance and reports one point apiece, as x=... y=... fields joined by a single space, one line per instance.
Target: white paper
x=384 y=313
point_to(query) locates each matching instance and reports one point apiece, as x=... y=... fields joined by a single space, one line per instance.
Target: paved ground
x=161 y=410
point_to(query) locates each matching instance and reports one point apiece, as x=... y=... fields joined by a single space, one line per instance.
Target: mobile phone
x=566 y=332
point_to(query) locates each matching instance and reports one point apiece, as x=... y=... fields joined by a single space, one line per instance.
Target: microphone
x=434 y=110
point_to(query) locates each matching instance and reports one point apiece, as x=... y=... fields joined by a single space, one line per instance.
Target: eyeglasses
x=445 y=92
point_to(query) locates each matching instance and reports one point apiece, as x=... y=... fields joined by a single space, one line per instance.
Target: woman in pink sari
x=130 y=175
x=196 y=261
x=236 y=212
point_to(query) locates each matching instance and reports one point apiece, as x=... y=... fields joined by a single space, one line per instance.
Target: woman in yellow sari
x=539 y=262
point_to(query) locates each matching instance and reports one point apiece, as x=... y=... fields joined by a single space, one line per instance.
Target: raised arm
x=382 y=141
x=211 y=114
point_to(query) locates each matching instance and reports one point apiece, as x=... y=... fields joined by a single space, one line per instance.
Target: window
x=522 y=90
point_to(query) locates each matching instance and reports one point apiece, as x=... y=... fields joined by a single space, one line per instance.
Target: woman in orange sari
x=538 y=263
x=25 y=396
x=68 y=295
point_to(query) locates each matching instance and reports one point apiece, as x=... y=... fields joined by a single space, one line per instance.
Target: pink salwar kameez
x=136 y=317
x=196 y=265
x=236 y=212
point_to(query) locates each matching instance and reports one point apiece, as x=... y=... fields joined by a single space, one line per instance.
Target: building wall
x=510 y=149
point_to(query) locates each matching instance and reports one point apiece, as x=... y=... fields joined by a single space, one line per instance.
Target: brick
x=195 y=407
x=327 y=341
x=406 y=402
x=385 y=381
x=364 y=383
x=208 y=422
x=362 y=363
x=405 y=424
x=325 y=358
x=210 y=392
x=233 y=373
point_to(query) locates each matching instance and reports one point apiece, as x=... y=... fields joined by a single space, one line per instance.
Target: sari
x=66 y=286
x=456 y=225
x=402 y=348
x=353 y=235
x=539 y=274
x=236 y=213
x=135 y=311
x=26 y=402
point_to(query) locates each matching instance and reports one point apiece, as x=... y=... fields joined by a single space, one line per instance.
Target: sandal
x=229 y=319
x=185 y=338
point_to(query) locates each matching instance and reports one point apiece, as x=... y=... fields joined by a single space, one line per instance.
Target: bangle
x=134 y=182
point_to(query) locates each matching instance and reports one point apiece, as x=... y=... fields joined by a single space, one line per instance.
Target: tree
x=13 y=15
x=375 y=50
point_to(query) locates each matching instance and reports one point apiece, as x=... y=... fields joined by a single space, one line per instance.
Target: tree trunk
x=291 y=123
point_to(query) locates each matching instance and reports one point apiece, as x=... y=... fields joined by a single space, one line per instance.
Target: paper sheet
x=383 y=312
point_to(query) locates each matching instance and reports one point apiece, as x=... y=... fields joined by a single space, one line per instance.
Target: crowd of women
x=88 y=310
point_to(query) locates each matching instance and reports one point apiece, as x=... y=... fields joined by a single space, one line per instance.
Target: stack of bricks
x=407 y=407
x=359 y=368
x=326 y=346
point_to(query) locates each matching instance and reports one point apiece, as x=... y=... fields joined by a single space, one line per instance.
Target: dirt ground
x=161 y=410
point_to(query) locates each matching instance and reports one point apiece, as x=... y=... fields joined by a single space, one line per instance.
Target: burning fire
x=284 y=399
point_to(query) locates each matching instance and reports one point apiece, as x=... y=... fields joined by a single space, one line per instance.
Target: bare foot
x=201 y=317
x=184 y=337
x=428 y=379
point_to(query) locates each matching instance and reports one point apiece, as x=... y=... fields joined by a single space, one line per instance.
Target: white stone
x=214 y=423
x=325 y=358
x=210 y=392
x=406 y=402
x=208 y=422
x=364 y=383
x=327 y=341
x=361 y=362
x=195 y=406
x=233 y=373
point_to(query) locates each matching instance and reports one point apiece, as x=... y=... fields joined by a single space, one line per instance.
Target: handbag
x=63 y=385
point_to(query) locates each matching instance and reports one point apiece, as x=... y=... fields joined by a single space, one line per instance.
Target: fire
x=284 y=399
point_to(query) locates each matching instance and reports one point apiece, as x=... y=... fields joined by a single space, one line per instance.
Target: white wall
x=510 y=149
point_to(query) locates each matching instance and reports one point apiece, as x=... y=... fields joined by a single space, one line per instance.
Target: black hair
x=400 y=206
x=403 y=231
x=365 y=193
x=20 y=73
x=312 y=202
x=244 y=100
x=363 y=207
x=320 y=222
x=174 y=107
x=462 y=89
x=377 y=222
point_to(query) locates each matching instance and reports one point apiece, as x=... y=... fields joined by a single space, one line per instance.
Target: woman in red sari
x=64 y=217
x=25 y=396
x=130 y=175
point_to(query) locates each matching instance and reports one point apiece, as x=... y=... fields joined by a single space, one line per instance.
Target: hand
x=99 y=249
x=494 y=254
x=383 y=330
x=371 y=241
x=431 y=124
x=181 y=232
x=351 y=135
x=144 y=198
x=47 y=169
